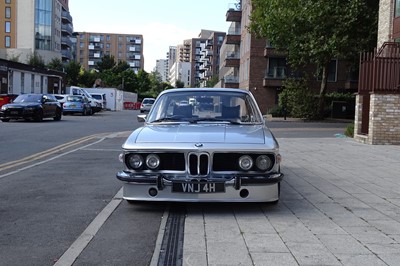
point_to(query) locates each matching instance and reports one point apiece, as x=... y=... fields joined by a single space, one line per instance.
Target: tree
x=143 y=83
x=179 y=84
x=36 y=60
x=73 y=70
x=212 y=82
x=106 y=63
x=56 y=64
x=317 y=31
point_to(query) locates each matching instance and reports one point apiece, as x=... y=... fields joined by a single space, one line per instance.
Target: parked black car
x=32 y=106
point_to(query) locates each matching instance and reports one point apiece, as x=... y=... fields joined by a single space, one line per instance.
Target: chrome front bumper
x=237 y=189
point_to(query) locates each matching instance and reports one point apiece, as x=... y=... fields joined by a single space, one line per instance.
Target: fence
x=380 y=70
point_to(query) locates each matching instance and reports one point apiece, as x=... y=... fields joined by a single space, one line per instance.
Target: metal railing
x=380 y=70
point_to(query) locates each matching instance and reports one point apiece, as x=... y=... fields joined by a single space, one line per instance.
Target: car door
x=49 y=106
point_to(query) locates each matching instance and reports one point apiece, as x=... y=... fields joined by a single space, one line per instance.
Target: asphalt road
x=58 y=191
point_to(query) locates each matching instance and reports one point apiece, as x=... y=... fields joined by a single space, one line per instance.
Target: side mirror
x=141 y=118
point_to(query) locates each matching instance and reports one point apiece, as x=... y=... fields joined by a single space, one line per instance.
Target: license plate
x=14 y=112
x=198 y=187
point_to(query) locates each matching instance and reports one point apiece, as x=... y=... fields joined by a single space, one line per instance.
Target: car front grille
x=198 y=164
x=14 y=112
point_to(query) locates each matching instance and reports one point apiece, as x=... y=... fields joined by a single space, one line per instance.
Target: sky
x=162 y=23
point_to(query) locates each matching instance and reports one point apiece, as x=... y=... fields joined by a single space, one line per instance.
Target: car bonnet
x=207 y=133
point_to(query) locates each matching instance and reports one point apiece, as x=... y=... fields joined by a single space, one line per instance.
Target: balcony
x=209 y=43
x=232 y=59
x=272 y=52
x=209 y=53
x=234 y=35
x=231 y=82
x=67 y=28
x=231 y=79
x=66 y=17
x=66 y=41
x=234 y=12
x=66 y=54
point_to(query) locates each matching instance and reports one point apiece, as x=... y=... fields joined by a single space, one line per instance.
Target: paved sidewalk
x=340 y=205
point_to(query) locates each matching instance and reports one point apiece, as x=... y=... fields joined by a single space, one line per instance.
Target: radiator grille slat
x=198 y=164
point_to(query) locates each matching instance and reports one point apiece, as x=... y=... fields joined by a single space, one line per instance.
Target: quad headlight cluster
x=262 y=162
x=137 y=161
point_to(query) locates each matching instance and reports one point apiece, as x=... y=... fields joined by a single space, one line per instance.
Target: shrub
x=299 y=100
x=277 y=111
x=349 y=131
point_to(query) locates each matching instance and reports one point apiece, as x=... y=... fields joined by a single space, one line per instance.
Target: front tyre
x=39 y=116
x=58 y=115
x=5 y=120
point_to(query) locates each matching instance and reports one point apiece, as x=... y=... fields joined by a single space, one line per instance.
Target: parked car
x=7 y=98
x=146 y=104
x=61 y=97
x=100 y=97
x=182 y=153
x=95 y=104
x=32 y=106
x=77 y=104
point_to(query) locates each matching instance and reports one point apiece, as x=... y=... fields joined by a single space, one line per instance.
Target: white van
x=100 y=97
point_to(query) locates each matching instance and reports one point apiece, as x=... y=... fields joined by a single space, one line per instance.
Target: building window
x=276 y=68
x=108 y=38
x=32 y=83
x=8 y=12
x=8 y=26
x=22 y=82
x=397 y=9
x=43 y=24
x=7 y=41
x=8 y=1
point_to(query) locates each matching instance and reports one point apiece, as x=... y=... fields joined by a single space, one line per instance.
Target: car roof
x=205 y=90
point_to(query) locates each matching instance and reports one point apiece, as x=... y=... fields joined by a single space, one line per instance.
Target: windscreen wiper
x=212 y=119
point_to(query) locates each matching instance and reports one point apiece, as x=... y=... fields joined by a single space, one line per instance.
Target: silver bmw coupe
x=214 y=147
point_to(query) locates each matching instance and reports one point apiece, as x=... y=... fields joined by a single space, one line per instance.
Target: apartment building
x=180 y=71
x=34 y=27
x=67 y=33
x=93 y=46
x=210 y=57
x=171 y=57
x=203 y=55
x=162 y=69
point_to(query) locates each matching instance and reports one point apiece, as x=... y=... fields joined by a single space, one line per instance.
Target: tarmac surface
x=339 y=205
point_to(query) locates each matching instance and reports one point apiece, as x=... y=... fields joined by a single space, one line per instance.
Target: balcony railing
x=231 y=79
x=232 y=55
x=67 y=28
x=65 y=15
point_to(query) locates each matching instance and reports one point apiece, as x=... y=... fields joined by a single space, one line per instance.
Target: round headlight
x=263 y=162
x=152 y=161
x=135 y=161
x=245 y=162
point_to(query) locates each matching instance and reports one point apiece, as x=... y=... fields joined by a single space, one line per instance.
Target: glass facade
x=43 y=24
x=397 y=11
